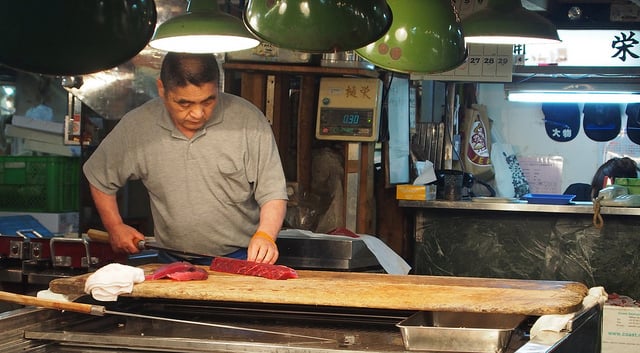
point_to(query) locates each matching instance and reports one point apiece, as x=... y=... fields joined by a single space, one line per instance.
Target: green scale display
x=349 y=109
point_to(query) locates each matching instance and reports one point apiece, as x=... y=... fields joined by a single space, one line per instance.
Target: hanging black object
x=73 y=37
x=561 y=120
x=601 y=121
x=633 y=122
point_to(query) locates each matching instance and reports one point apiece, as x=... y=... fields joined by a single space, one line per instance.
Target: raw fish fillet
x=250 y=268
x=180 y=271
x=196 y=273
x=164 y=270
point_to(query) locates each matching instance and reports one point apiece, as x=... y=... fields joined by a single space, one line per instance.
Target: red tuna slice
x=194 y=274
x=164 y=270
x=250 y=268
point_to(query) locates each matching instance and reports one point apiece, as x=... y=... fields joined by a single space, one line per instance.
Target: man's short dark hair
x=181 y=69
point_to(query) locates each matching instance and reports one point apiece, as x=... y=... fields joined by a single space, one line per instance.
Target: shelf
x=521 y=206
x=300 y=69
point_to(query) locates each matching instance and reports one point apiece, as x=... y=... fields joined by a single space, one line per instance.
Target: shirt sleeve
x=270 y=182
x=110 y=166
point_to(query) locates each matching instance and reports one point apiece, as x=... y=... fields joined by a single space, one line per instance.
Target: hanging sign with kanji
x=605 y=48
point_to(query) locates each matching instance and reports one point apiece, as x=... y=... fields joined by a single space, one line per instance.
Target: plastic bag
x=477 y=146
x=509 y=177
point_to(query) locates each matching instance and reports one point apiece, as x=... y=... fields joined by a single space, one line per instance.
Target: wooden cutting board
x=365 y=290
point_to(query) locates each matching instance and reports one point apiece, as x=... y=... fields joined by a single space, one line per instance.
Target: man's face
x=190 y=107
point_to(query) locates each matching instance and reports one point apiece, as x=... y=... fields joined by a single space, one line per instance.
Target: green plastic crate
x=39 y=184
x=632 y=184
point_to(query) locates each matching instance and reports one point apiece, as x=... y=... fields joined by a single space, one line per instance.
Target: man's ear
x=160 y=87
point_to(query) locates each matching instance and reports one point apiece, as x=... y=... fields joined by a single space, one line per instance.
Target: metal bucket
x=345 y=59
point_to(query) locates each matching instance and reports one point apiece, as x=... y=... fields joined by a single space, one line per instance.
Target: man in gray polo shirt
x=208 y=160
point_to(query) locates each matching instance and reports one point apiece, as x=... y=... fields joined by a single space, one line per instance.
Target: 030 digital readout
x=346 y=122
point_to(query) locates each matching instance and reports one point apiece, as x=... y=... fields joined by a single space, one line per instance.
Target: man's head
x=188 y=85
x=182 y=69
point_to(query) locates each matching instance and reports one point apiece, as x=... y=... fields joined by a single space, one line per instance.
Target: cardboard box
x=415 y=192
x=620 y=329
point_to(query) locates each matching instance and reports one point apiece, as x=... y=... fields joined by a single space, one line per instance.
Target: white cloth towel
x=550 y=328
x=112 y=280
x=48 y=294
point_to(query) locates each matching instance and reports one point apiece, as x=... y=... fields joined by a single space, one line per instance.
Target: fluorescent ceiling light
x=552 y=92
x=203 y=29
x=508 y=22
x=564 y=97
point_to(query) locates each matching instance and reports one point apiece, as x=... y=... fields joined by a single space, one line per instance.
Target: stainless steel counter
x=247 y=329
x=521 y=206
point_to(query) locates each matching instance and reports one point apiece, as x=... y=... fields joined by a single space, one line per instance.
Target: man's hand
x=124 y=239
x=262 y=248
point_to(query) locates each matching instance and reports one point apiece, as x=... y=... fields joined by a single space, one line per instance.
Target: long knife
x=103 y=237
x=152 y=245
x=99 y=310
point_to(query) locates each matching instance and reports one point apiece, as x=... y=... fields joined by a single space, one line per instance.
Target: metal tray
x=458 y=332
x=548 y=199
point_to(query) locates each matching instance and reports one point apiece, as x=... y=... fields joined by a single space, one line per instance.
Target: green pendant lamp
x=203 y=29
x=507 y=22
x=425 y=37
x=325 y=26
x=73 y=37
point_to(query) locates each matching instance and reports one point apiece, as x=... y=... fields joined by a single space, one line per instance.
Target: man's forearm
x=272 y=216
x=107 y=207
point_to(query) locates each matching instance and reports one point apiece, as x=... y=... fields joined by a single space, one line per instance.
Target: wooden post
x=366 y=199
x=306 y=130
x=279 y=107
x=252 y=88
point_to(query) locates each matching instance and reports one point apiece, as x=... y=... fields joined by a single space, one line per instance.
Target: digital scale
x=349 y=109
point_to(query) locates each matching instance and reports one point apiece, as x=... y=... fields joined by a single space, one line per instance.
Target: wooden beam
x=300 y=69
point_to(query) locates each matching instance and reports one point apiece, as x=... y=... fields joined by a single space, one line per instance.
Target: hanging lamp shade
x=318 y=26
x=425 y=37
x=203 y=29
x=507 y=22
x=73 y=37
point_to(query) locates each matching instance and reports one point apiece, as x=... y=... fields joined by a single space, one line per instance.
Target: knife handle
x=98 y=235
x=52 y=304
x=103 y=237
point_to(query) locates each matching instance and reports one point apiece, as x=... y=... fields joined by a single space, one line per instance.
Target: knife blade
x=152 y=245
x=102 y=236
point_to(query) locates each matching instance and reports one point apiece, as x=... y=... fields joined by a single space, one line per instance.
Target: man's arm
x=123 y=238
x=262 y=247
